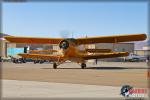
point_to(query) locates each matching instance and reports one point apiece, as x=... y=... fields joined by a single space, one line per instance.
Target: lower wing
x=98 y=50
x=41 y=56
x=41 y=51
x=105 y=55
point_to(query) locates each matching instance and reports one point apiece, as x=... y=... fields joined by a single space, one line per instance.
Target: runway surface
x=32 y=89
x=105 y=73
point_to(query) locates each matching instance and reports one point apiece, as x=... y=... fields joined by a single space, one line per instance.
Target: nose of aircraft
x=64 y=44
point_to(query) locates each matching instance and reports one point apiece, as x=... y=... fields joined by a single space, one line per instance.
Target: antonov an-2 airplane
x=70 y=51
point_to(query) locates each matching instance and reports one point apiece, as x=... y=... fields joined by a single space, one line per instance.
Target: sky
x=74 y=19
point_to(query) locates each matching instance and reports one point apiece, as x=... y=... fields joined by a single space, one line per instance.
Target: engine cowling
x=64 y=44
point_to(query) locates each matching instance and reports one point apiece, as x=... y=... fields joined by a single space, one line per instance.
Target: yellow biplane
x=69 y=50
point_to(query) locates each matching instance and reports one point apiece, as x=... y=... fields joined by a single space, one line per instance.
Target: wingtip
x=144 y=35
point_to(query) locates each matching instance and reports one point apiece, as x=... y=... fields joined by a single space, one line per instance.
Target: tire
x=54 y=65
x=24 y=61
x=41 y=62
x=83 y=65
x=35 y=61
x=136 y=59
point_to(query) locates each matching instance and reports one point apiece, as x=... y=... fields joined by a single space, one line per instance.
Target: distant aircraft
x=70 y=51
x=135 y=57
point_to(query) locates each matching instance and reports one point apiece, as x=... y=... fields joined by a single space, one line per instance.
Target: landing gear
x=83 y=65
x=54 y=65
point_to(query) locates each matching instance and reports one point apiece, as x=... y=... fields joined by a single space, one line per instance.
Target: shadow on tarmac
x=115 y=68
x=103 y=68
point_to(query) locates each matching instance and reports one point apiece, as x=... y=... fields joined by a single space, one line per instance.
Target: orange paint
x=72 y=53
x=148 y=73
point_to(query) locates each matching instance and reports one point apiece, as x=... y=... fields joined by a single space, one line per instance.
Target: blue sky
x=52 y=19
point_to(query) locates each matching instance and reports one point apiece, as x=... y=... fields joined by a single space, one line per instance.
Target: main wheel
x=54 y=65
x=83 y=65
x=35 y=61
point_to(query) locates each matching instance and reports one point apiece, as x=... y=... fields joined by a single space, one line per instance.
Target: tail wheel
x=54 y=65
x=83 y=65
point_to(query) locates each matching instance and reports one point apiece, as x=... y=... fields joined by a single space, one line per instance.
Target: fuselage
x=72 y=52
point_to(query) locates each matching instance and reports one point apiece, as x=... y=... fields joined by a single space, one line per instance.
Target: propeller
x=65 y=34
x=64 y=44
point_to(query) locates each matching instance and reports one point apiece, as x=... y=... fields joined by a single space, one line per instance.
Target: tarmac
x=69 y=80
x=32 y=89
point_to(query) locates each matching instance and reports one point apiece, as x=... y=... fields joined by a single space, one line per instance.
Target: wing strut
x=114 y=44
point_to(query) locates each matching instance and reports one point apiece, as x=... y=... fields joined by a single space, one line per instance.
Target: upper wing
x=15 y=39
x=105 y=55
x=88 y=40
x=112 y=39
x=41 y=56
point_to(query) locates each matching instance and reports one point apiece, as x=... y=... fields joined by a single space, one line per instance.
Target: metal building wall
x=119 y=47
